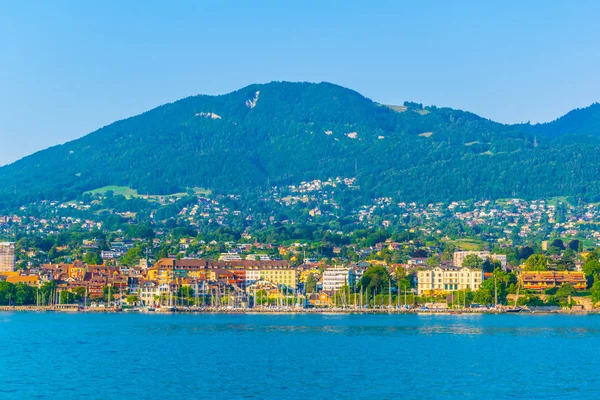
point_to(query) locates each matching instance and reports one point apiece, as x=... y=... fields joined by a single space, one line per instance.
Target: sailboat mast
x=495 y=292
x=389 y=293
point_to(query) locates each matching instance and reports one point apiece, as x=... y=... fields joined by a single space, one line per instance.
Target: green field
x=468 y=244
x=117 y=190
x=554 y=201
x=395 y=108
x=130 y=193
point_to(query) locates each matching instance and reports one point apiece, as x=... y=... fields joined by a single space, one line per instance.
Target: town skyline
x=387 y=255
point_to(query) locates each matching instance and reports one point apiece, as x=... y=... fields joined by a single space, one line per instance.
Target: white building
x=261 y=257
x=335 y=277
x=252 y=275
x=7 y=257
x=230 y=257
x=149 y=293
x=448 y=279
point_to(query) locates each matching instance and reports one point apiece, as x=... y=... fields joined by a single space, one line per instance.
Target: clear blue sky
x=70 y=67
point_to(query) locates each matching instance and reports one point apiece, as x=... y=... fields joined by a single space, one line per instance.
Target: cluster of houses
x=506 y=221
x=153 y=284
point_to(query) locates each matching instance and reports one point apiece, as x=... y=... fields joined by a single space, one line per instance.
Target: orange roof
x=27 y=279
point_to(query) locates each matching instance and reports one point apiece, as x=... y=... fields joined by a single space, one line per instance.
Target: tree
x=449 y=251
x=575 y=245
x=402 y=279
x=567 y=260
x=591 y=267
x=525 y=252
x=434 y=261
x=473 y=261
x=596 y=290
x=132 y=299
x=143 y=231
x=79 y=292
x=375 y=278
x=564 y=291
x=558 y=244
x=7 y=293
x=491 y=264
x=310 y=285
x=24 y=294
x=92 y=258
x=132 y=257
x=105 y=292
x=66 y=297
x=483 y=296
x=536 y=262
x=498 y=283
x=47 y=291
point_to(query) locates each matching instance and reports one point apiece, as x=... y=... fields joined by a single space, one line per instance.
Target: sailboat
x=515 y=308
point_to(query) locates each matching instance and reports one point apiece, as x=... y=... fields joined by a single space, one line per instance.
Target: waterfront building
x=7 y=257
x=542 y=280
x=236 y=272
x=336 y=277
x=149 y=293
x=443 y=279
x=319 y=299
x=252 y=276
x=279 y=275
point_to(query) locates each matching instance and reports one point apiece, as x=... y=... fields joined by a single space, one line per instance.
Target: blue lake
x=127 y=356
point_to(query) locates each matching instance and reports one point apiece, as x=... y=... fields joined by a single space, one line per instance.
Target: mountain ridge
x=285 y=132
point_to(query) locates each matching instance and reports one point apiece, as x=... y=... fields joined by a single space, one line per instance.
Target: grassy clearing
x=130 y=193
x=468 y=244
x=395 y=108
x=117 y=190
x=554 y=201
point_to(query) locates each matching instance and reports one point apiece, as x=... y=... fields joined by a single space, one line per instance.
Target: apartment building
x=240 y=272
x=280 y=275
x=459 y=257
x=7 y=257
x=543 y=280
x=336 y=277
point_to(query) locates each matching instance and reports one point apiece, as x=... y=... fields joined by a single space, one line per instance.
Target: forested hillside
x=283 y=133
x=580 y=122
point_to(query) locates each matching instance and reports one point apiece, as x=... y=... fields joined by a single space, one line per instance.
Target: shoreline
x=291 y=310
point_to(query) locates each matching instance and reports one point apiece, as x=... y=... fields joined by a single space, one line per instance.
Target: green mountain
x=579 y=125
x=283 y=133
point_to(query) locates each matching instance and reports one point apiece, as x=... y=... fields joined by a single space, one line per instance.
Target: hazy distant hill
x=283 y=133
x=582 y=121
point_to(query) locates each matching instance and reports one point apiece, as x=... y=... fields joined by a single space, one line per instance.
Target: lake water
x=126 y=356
